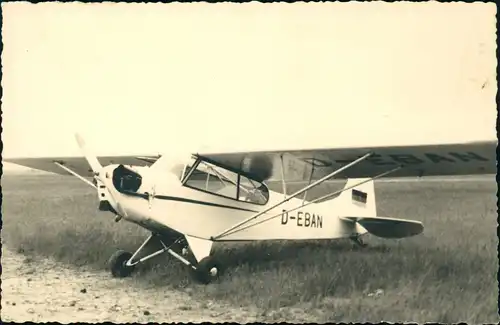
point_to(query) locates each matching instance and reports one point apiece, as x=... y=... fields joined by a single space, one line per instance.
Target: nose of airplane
x=135 y=181
x=115 y=179
x=126 y=180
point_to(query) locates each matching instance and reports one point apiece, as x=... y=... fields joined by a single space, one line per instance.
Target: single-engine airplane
x=189 y=204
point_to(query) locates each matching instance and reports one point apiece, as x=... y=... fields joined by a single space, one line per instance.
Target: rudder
x=355 y=200
x=358 y=200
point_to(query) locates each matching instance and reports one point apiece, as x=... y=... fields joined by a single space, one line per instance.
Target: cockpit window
x=219 y=181
x=253 y=191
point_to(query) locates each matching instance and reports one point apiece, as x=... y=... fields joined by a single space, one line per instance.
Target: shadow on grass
x=260 y=254
x=256 y=259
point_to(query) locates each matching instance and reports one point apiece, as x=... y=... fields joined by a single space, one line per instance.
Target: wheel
x=359 y=241
x=117 y=264
x=207 y=270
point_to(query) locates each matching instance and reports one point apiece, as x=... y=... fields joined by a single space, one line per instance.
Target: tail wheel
x=359 y=241
x=207 y=270
x=117 y=264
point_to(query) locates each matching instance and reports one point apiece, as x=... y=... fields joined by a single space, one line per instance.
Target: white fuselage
x=163 y=202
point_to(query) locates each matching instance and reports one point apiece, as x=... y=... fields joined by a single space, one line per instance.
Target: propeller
x=95 y=165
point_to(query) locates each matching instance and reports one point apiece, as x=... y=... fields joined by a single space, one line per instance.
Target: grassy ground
x=448 y=274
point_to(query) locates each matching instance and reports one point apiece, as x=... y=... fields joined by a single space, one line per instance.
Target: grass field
x=447 y=274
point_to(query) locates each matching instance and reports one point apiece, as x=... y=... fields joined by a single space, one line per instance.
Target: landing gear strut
x=359 y=241
x=122 y=263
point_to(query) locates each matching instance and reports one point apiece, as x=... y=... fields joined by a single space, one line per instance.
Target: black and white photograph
x=249 y=162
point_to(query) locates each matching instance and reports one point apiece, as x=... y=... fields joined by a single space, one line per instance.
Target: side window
x=252 y=191
x=219 y=181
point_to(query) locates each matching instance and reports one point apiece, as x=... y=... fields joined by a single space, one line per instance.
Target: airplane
x=188 y=203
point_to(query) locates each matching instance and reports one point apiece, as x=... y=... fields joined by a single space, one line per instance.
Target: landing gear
x=208 y=269
x=359 y=241
x=118 y=264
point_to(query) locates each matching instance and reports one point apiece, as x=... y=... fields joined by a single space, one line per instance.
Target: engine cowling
x=126 y=180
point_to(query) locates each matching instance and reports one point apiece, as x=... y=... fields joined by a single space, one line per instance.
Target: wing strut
x=318 y=182
x=316 y=200
x=283 y=182
x=75 y=174
x=310 y=179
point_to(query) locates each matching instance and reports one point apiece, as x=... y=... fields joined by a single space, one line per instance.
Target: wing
x=467 y=158
x=78 y=164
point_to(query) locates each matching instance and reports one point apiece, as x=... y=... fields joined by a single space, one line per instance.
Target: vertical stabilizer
x=358 y=201
x=355 y=200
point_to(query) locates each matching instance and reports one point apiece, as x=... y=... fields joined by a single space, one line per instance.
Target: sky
x=153 y=78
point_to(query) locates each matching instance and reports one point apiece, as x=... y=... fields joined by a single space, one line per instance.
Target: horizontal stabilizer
x=388 y=227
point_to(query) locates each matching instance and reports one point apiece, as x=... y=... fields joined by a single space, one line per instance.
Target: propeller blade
x=95 y=165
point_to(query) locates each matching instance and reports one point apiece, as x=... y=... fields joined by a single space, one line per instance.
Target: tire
x=207 y=271
x=117 y=264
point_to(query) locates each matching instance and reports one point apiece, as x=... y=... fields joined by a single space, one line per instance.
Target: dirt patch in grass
x=41 y=290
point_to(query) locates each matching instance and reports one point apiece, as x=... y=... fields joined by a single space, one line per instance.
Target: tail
x=358 y=200
x=357 y=208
